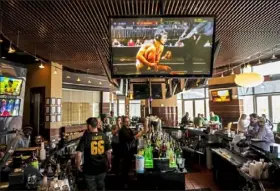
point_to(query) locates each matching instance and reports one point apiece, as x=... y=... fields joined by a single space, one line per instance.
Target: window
x=121 y=107
x=207 y=109
x=115 y=108
x=275 y=108
x=268 y=87
x=180 y=110
x=262 y=106
x=268 y=69
x=194 y=93
x=135 y=108
x=188 y=106
x=199 y=107
x=78 y=105
x=248 y=105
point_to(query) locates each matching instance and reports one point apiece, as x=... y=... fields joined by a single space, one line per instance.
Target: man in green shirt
x=214 y=117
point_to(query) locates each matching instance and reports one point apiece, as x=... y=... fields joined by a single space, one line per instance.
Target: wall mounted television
x=164 y=46
x=10 y=86
x=221 y=95
x=141 y=91
x=156 y=91
x=9 y=107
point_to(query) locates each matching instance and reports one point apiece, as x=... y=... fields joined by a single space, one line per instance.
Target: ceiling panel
x=70 y=31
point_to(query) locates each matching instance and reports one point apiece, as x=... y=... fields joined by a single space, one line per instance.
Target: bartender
x=265 y=133
x=254 y=125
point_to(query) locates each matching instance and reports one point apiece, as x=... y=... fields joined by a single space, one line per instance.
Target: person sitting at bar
x=199 y=121
x=242 y=124
x=214 y=118
x=268 y=122
x=186 y=119
x=254 y=125
x=205 y=119
x=265 y=133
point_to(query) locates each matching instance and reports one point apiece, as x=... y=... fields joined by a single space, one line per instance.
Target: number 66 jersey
x=94 y=146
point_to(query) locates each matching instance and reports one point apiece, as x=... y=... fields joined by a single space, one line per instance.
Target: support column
x=105 y=103
x=227 y=111
x=49 y=81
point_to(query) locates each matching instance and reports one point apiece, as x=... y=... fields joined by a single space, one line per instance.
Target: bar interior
x=139 y=95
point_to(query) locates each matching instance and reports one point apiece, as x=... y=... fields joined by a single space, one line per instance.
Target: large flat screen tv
x=9 y=107
x=221 y=95
x=10 y=86
x=162 y=46
x=156 y=91
x=141 y=91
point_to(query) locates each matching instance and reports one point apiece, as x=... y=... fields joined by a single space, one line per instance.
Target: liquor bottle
x=172 y=159
x=148 y=157
x=34 y=161
x=163 y=150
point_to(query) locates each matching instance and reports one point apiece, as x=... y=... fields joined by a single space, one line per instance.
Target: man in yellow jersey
x=149 y=55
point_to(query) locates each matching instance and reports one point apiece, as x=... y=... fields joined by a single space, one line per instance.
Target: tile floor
x=200 y=180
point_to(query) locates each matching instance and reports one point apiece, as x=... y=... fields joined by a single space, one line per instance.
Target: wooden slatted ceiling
x=70 y=31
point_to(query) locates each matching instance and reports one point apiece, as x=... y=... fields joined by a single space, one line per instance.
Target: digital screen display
x=141 y=91
x=162 y=46
x=221 y=95
x=10 y=86
x=156 y=91
x=9 y=107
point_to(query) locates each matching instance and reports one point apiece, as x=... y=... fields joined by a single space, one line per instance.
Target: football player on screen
x=149 y=54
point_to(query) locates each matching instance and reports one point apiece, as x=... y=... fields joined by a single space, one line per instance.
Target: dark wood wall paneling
x=228 y=111
x=168 y=115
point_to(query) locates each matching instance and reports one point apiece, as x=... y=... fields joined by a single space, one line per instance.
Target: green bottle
x=148 y=155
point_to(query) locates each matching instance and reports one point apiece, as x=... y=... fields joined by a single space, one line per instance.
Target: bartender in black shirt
x=97 y=156
x=128 y=146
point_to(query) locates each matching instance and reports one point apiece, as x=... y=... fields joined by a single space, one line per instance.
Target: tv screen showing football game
x=10 y=86
x=162 y=46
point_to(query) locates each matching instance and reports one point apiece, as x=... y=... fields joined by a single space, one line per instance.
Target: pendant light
x=55 y=72
x=41 y=65
x=11 y=49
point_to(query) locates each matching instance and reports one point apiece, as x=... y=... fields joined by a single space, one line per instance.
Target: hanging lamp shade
x=251 y=79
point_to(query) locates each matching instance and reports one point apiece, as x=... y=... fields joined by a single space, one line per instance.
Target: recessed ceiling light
x=68 y=77
x=89 y=81
x=78 y=79
x=100 y=83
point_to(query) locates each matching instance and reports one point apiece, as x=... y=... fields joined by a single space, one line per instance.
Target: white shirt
x=242 y=125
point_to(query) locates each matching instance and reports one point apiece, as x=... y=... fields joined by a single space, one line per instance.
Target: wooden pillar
x=227 y=111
